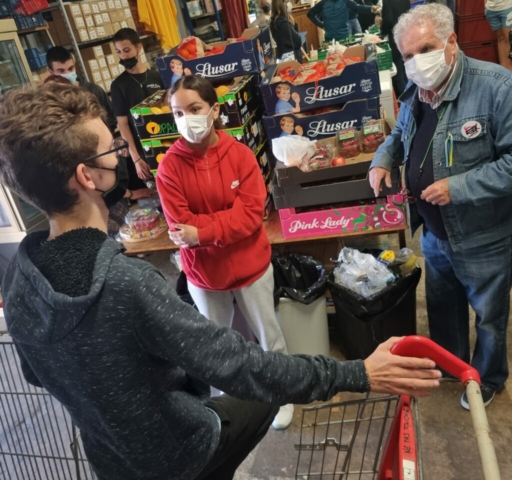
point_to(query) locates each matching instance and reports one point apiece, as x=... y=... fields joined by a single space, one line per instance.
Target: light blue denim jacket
x=480 y=178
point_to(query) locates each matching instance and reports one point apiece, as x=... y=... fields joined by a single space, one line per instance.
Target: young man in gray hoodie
x=108 y=338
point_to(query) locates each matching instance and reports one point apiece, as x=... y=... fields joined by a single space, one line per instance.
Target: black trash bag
x=363 y=323
x=298 y=277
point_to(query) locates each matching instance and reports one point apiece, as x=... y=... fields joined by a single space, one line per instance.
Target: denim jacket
x=478 y=114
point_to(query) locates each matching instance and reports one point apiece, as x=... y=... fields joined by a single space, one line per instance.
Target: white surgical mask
x=428 y=70
x=194 y=127
x=70 y=76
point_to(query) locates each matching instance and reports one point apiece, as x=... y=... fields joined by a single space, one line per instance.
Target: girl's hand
x=184 y=236
x=143 y=171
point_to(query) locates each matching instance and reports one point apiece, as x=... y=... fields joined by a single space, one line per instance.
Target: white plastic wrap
x=294 y=150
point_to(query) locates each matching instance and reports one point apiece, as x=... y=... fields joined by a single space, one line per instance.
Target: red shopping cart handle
x=422 y=347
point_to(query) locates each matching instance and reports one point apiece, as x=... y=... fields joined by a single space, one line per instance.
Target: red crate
x=469 y=8
x=30 y=7
x=473 y=30
x=487 y=51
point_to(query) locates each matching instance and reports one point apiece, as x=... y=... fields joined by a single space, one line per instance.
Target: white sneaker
x=283 y=418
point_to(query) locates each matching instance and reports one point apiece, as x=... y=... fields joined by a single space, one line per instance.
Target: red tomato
x=338 y=162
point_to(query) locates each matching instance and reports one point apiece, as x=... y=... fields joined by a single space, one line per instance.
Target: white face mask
x=428 y=70
x=194 y=127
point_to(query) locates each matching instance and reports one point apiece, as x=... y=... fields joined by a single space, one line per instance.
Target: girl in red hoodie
x=213 y=196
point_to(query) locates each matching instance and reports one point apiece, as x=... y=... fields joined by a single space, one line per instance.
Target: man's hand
x=376 y=10
x=438 y=193
x=377 y=174
x=143 y=171
x=378 y=20
x=400 y=375
x=184 y=236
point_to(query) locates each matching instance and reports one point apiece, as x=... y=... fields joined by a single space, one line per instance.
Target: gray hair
x=440 y=15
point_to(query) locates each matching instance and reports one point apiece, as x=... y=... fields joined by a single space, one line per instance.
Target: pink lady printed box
x=385 y=214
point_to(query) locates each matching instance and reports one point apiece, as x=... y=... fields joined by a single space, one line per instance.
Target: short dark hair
x=200 y=85
x=57 y=54
x=127 y=34
x=43 y=140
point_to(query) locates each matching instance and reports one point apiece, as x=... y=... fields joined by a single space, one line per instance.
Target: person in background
x=454 y=134
x=354 y=26
x=282 y=28
x=391 y=12
x=107 y=337
x=130 y=88
x=263 y=19
x=366 y=20
x=499 y=15
x=61 y=63
x=333 y=16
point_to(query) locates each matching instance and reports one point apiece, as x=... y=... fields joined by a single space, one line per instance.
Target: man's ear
x=83 y=177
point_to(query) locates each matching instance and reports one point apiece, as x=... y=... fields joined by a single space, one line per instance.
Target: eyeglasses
x=120 y=147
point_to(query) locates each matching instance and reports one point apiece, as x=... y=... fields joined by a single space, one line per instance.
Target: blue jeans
x=354 y=26
x=482 y=277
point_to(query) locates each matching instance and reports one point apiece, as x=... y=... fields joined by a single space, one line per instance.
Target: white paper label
x=409 y=469
x=471 y=129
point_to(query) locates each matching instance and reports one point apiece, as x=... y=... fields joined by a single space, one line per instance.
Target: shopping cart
x=37 y=438
x=376 y=438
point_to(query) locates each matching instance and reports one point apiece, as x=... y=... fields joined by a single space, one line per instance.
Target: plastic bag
x=322 y=157
x=362 y=273
x=143 y=219
x=348 y=142
x=373 y=136
x=294 y=150
x=298 y=277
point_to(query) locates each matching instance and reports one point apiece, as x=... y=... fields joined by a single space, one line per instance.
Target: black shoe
x=487 y=397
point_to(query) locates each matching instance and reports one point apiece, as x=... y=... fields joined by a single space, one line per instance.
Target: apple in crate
x=338 y=162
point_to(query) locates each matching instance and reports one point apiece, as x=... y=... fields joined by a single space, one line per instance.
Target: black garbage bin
x=362 y=324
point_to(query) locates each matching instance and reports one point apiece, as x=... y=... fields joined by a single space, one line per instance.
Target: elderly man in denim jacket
x=454 y=134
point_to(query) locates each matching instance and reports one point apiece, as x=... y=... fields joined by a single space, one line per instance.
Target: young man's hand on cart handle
x=398 y=375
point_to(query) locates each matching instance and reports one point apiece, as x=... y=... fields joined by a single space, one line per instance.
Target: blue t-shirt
x=283 y=107
x=284 y=134
x=175 y=77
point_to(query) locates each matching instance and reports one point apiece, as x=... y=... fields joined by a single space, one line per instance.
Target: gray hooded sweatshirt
x=132 y=363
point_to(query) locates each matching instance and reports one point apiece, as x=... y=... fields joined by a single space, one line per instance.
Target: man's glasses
x=120 y=147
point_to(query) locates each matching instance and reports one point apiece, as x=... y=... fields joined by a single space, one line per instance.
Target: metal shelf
x=204 y=15
x=33 y=30
x=190 y=24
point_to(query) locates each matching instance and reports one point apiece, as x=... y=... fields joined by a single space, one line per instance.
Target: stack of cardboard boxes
x=96 y=20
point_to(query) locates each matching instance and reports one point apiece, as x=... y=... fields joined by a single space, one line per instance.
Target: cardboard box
x=325 y=124
x=93 y=35
x=380 y=214
x=98 y=51
x=109 y=49
x=149 y=122
x=114 y=71
x=114 y=16
x=108 y=85
x=77 y=23
x=125 y=3
x=155 y=149
x=116 y=26
x=102 y=62
x=60 y=30
x=89 y=21
x=92 y=65
x=82 y=35
x=95 y=9
x=102 y=5
x=109 y=30
x=251 y=133
x=111 y=60
x=238 y=104
x=111 y=5
x=101 y=32
x=105 y=74
x=106 y=18
x=127 y=13
x=119 y=5
x=95 y=77
x=124 y=24
x=86 y=8
x=98 y=19
x=238 y=59
x=356 y=81
x=131 y=24
x=73 y=10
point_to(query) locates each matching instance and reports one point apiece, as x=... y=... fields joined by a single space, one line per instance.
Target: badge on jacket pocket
x=471 y=129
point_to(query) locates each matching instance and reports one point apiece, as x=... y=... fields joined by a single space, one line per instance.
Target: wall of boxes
x=92 y=21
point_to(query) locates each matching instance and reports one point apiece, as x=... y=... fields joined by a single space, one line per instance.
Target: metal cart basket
x=376 y=438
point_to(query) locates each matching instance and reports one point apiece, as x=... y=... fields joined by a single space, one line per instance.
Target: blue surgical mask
x=70 y=76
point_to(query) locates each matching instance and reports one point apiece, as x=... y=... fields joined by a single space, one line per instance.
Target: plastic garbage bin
x=300 y=286
x=364 y=323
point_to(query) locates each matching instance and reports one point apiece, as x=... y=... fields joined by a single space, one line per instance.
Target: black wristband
x=138 y=160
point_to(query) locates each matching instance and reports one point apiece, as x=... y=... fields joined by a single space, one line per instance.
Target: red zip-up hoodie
x=223 y=194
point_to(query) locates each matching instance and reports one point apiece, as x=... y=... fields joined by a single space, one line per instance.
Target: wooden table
x=274 y=232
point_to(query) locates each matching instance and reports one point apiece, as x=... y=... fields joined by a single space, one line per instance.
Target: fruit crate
x=6 y=9
x=384 y=59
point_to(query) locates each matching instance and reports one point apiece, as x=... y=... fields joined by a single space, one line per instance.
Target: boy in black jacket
x=107 y=337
